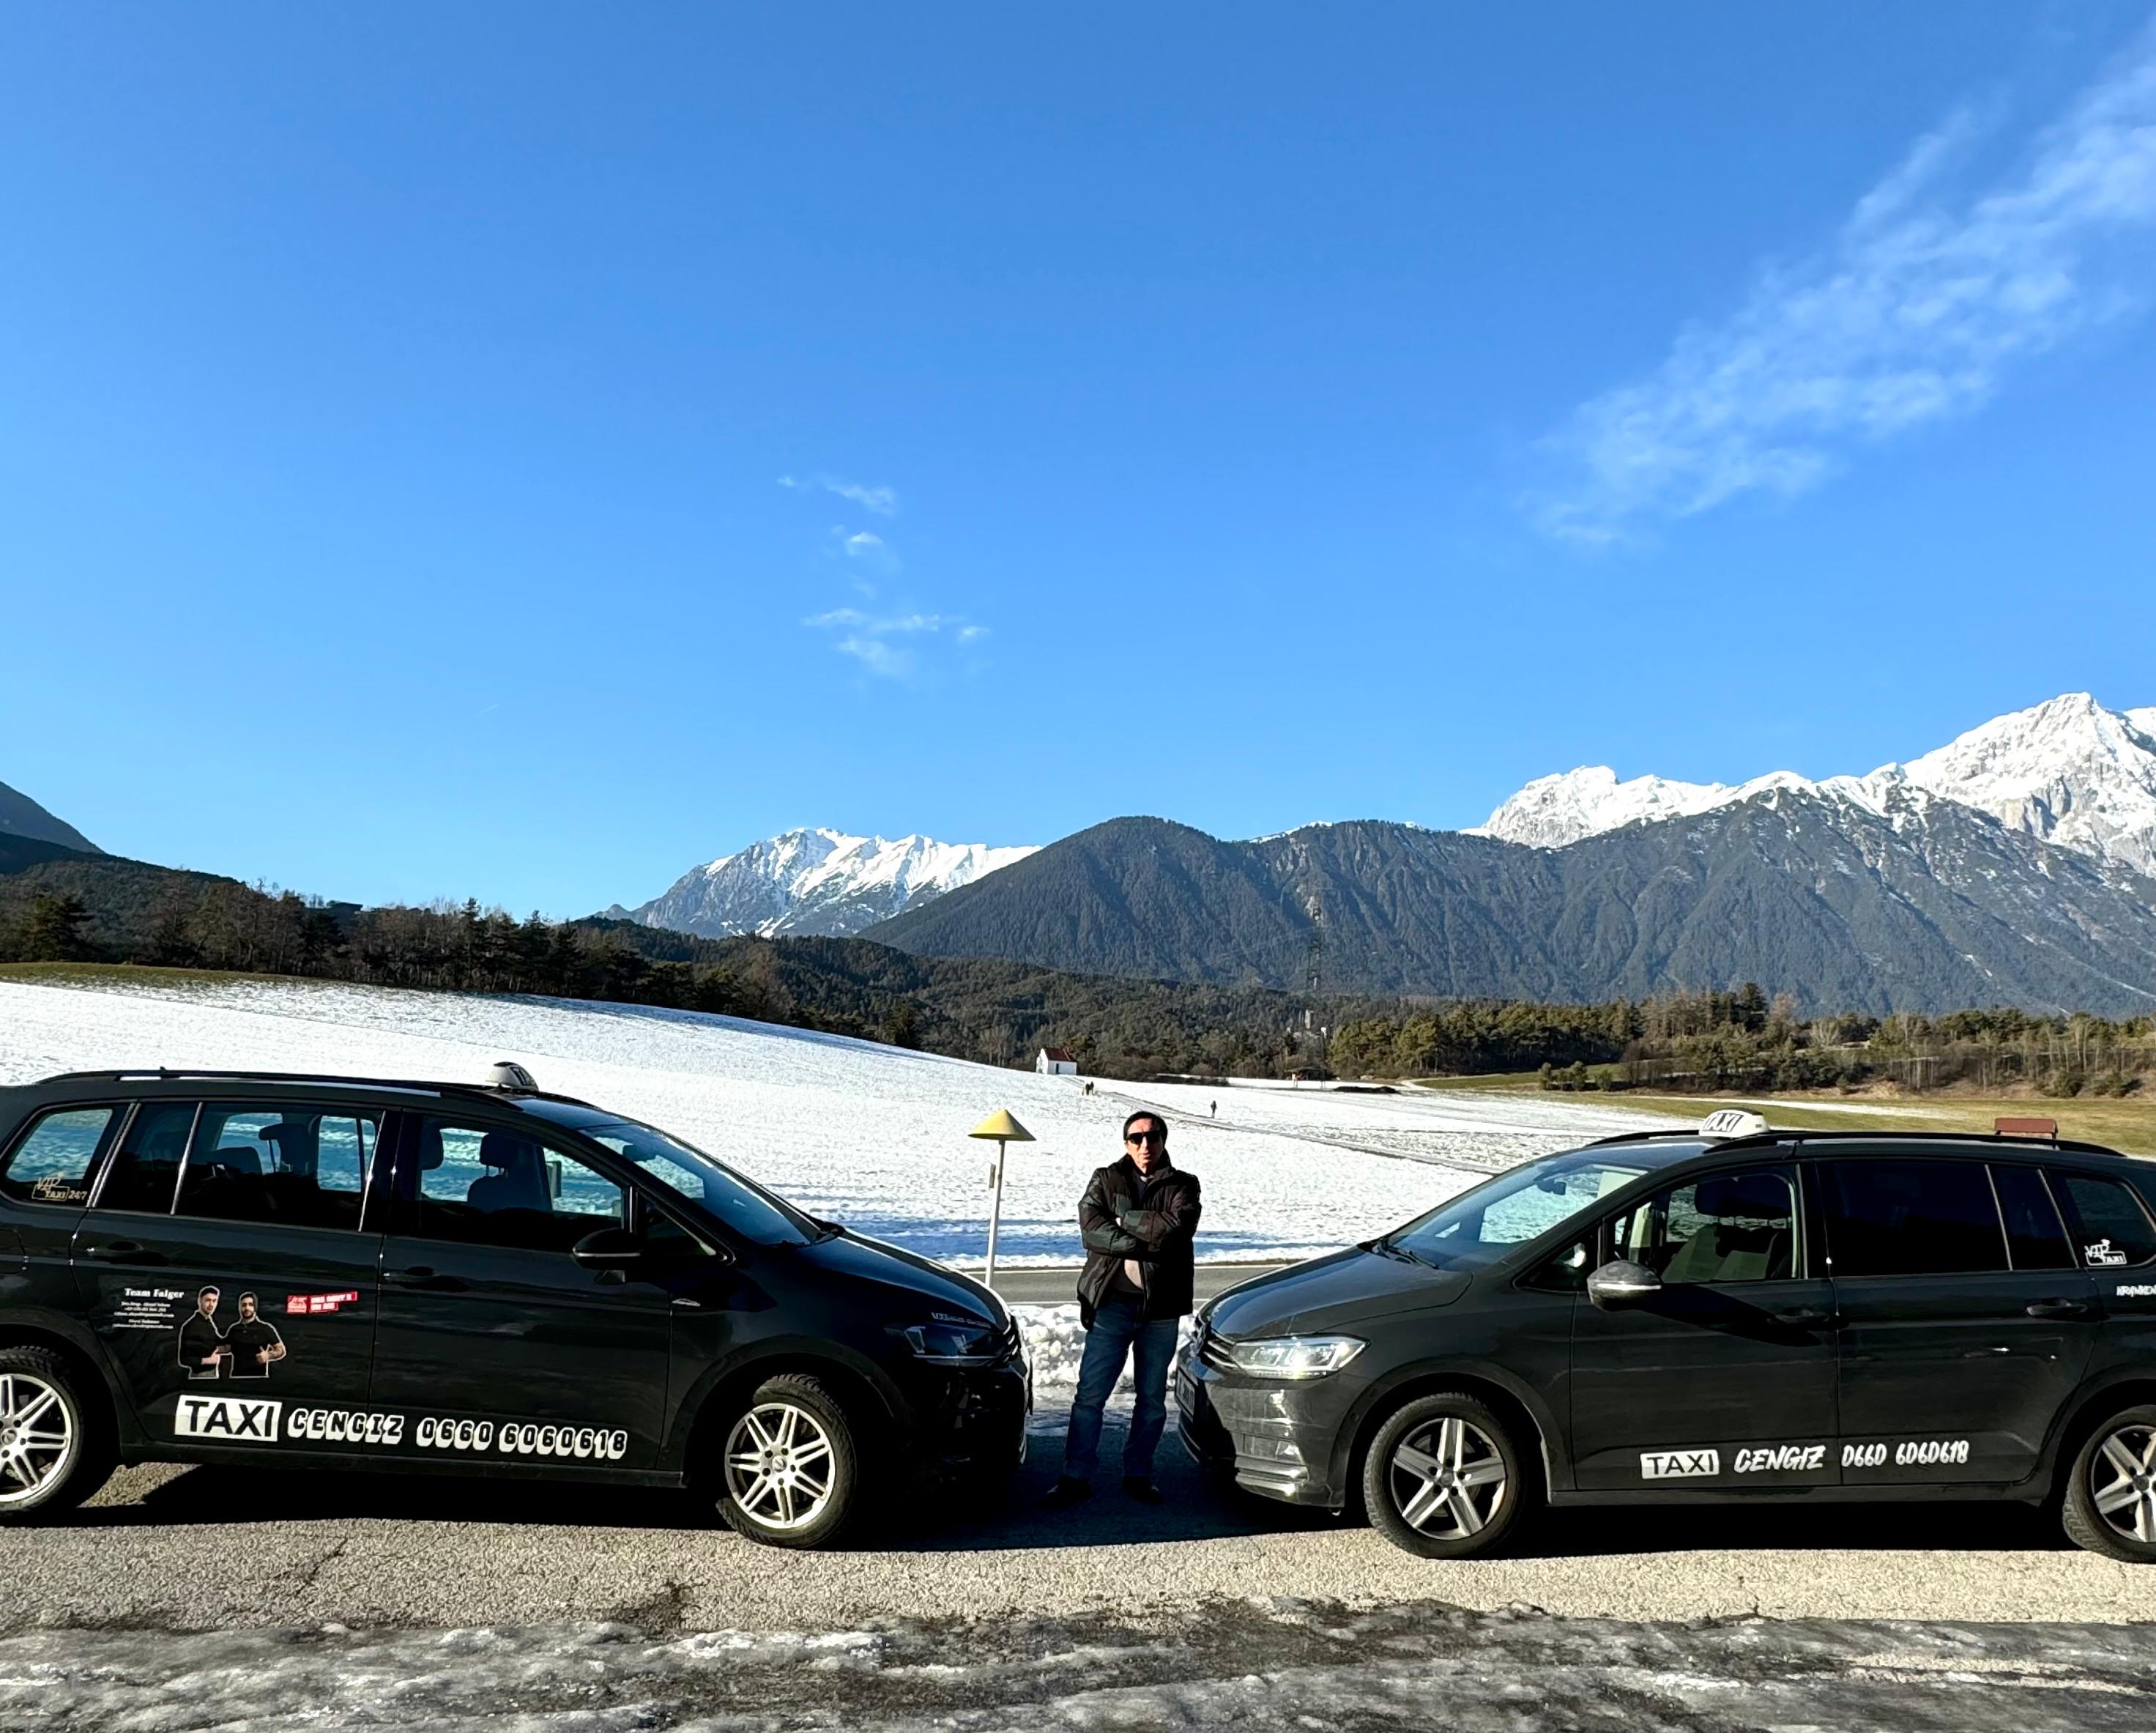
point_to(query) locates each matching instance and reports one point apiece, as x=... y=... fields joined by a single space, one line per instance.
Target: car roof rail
x=1774 y=1135
x=212 y=1074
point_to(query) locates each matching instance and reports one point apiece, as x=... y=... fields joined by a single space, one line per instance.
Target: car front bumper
x=1278 y=1436
x=972 y=1420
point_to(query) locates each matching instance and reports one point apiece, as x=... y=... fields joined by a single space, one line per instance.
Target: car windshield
x=1474 y=1229
x=741 y=1204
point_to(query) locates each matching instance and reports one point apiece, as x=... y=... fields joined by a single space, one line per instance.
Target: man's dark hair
x=207 y=1292
x=1159 y=1124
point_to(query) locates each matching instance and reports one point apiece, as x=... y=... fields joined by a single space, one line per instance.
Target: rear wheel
x=2110 y=1505
x=52 y=1450
x=790 y=1475
x=1444 y=1478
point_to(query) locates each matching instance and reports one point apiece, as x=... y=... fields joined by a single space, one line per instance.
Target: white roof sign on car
x=1732 y=1122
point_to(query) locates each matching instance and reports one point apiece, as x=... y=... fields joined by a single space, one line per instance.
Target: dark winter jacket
x=1124 y=1215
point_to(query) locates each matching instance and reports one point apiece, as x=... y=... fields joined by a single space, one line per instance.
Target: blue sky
x=521 y=451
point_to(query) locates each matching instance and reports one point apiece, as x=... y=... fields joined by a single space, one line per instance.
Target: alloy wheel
x=1447 y=1479
x=2122 y=1482
x=780 y=1469
x=37 y=1438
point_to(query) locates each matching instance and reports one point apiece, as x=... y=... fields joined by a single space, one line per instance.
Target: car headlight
x=945 y=1338
x=1293 y=1356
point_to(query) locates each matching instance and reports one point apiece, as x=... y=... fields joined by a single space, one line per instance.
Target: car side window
x=2113 y=1228
x=2035 y=1237
x=1721 y=1227
x=145 y=1172
x=1912 y=1218
x=55 y=1160
x=495 y=1185
x=298 y=1166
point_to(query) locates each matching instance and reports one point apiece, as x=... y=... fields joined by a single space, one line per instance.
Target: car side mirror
x=609 y=1248
x=1622 y=1282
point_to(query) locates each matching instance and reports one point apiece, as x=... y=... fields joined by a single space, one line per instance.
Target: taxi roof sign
x=1732 y=1122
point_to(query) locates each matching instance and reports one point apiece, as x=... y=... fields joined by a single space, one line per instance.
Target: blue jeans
x=1119 y=1328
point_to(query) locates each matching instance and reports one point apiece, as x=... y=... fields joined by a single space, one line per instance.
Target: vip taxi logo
x=228 y=1419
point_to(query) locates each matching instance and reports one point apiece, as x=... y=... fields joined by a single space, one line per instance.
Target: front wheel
x=791 y=1475
x=2110 y=1504
x=52 y=1454
x=1443 y=1478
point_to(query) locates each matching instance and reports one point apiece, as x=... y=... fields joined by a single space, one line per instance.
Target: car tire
x=54 y=1448
x=2101 y=1475
x=790 y=1474
x=1444 y=1478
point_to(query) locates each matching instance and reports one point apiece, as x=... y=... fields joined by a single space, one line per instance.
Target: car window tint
x=1912 y=1218
x=55 y=1160
x=146 y=1171
x=493 y=1185
x=299 y=1166
x=2113 y=1227
x=1721 y=1227
x=2035 y=1237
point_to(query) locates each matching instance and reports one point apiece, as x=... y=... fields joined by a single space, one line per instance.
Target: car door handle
x=1807 y=1318
x=2058 y=1309
x=426 y=1278
x=123 y=1252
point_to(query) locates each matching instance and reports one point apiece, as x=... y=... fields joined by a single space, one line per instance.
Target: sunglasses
x=1145 y=1137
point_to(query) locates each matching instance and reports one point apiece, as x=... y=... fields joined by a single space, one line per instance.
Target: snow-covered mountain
x=816 y=882
x=2068 y=772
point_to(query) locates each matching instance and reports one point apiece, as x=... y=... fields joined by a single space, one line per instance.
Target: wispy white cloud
x=881 y=501
x=1922 y=303
x=886 y=644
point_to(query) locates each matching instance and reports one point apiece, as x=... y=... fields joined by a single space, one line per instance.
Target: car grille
x=1213 y=1349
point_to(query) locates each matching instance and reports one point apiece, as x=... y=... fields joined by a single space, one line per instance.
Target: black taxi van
x=227 y=1266
x=1761 y=1316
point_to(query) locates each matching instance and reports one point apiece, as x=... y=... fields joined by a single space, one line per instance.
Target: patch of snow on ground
x=874 y=1136
x=1233 y=1665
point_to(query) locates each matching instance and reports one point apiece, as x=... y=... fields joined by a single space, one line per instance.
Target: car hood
x=1335 y=1292
x=847 y=1254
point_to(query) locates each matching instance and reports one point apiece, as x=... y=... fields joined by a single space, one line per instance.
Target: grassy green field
x=2127 y=1124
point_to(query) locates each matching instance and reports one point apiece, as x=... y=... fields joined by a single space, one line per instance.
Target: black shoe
x=1136 y=1486
x=1066 y=1493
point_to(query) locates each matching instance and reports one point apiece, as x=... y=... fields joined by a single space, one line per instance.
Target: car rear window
x=2111 y=1227
x=55 y=1160
x=1912 y=1218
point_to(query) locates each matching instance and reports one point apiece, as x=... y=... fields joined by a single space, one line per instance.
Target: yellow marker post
x=1004 y=1129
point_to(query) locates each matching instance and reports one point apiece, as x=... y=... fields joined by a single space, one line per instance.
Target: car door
x=227 y=1265
x=1966 y=1321
x=497 y=1335
x=1725 y=1376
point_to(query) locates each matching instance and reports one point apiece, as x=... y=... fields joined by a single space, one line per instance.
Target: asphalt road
x=1048 y=1285
x=206 y=1548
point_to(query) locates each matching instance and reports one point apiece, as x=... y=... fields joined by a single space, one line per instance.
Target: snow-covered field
x=874 y=1136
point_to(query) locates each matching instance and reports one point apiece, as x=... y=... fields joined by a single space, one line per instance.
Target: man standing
x=253 y=1343
x=202 y=1351
x=1139 y=1218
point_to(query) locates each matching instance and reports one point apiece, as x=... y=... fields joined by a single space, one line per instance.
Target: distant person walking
x=1139 y=1218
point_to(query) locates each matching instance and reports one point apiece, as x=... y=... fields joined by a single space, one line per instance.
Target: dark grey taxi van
x=1763 y=1317
x=232 y=1267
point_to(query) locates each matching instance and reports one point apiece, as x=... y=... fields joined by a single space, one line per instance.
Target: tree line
x=1742 y=1039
